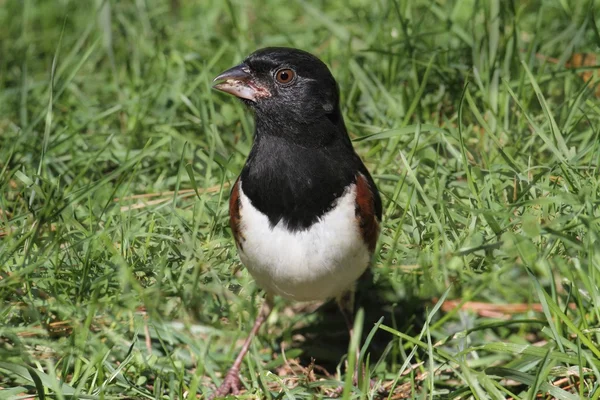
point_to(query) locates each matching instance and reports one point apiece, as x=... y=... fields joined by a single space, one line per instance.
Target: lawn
x=480 y=121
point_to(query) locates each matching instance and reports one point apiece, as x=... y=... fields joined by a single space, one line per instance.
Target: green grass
x=483 y=139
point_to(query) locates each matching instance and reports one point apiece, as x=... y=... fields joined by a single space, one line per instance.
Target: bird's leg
x=231 y=383
x=346 y=304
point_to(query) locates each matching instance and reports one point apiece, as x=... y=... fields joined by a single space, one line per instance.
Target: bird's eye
x=285 y=76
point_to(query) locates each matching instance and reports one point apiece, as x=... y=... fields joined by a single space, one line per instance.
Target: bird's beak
x=239 y=82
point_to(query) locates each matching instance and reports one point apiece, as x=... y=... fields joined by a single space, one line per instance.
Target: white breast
x=314 y=264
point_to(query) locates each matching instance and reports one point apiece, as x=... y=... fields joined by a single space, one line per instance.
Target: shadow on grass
x=326 y=339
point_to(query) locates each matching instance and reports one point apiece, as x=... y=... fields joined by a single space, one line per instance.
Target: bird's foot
x=231 y=384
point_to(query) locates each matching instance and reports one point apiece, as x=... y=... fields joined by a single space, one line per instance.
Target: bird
x=305 y=212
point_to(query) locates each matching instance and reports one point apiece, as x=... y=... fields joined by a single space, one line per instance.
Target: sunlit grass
x=119 y=277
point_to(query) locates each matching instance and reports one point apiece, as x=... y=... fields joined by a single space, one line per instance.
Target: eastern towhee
x=304 y=211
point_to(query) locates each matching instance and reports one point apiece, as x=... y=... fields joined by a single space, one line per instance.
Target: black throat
x=295 y=176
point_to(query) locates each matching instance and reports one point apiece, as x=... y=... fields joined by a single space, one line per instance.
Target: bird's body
x=315 y=263
x=304 y=211
x=298 y=226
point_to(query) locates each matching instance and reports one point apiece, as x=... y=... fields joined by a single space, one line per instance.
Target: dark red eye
x=285 y=75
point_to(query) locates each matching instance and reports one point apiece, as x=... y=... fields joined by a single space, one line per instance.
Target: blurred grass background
x=478 y=119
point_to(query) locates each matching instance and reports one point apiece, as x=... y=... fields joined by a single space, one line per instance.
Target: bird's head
x=283 y=85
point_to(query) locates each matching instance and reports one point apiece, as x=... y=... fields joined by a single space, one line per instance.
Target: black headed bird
x=304 y=211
